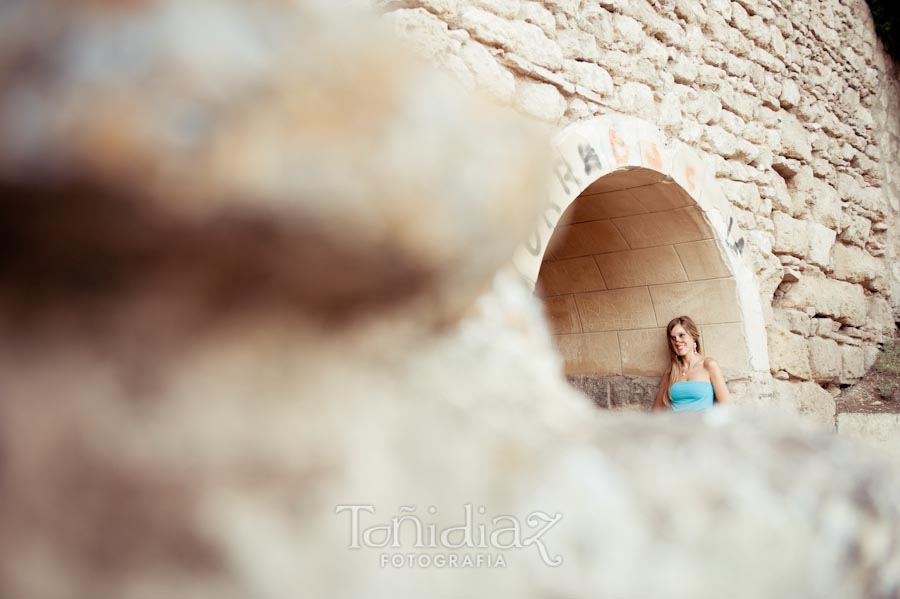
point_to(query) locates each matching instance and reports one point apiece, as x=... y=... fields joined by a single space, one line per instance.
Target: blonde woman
x=693 y=381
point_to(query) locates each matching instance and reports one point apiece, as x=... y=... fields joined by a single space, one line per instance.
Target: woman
x=693 y=381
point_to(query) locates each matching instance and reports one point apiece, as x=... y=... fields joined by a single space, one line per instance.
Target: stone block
x=853 y=363
x=727 y=344
x=540 y=100
x=795 y=141
x=807 y=400
x=789 y=352
x=522 y=38
x=588 y=207
x=713 y=301
x=590 y=353
x=816 y=294
x=664 y=228
x=574 y=275
x=584 y=239
x=562 y=314
x=702 y=260
x=644 y=352
x=879 y=315
x=661 y=196
x=819 y=245
x=489 y=75
x=633 y=268
x=824 y=359
x=859 y=266
x=616 y=309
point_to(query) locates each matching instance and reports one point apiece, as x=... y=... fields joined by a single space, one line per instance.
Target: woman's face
x=681 y=340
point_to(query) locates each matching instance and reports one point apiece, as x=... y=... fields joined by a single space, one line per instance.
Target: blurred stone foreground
x=254 y=269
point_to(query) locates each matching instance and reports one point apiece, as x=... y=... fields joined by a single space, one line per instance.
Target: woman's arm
x=658 y=405
x=717 y=380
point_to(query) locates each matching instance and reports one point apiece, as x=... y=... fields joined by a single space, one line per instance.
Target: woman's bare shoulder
x=710 y=363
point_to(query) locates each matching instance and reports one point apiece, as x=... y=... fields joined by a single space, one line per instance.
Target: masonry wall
x=794 y=102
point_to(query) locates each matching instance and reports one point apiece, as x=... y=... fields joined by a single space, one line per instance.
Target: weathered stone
x=808 y=400
x=795 y=139
x=880 y=316
x=507 y=9
x=855 y=229
x=520 y=37
x=489 y=74
x=858 y=266
x=540 y=100
x=589 y=76
x=789 y=352
x=821 y=240
x=853 y=363
x=839 y=300
x=824 y=359
x=536 y=14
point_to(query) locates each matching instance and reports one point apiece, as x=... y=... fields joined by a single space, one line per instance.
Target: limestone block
x=789 y=352
x=684 y=69
x=562 y=314
x=726 y=343
x=590 y=353
x=808 y=400
x=824 y=359
x=540 y=100
x=879 y=317
x=815 y=294
x=859 y=266
x=507 y=9
x=795 y=139
x=644 y=352
x=589 y=76
x=702 y=260
x=536 y=14
x=660 y=197
x=489 y=74
x=629 y=30
x=427 y=33
x=519 y=37
x=790 y=234
x=569 y=276
x=663 y=228
x=584 y=239
x=616 y=309
x=721 y=141
x=855 y=229
x=707 y=302
x=691 y=11
x=636 y=98
x=820 y=244
x=797 y=322
x=878 y=432
x=853 y=363
x=646 y=266
x=577 y=44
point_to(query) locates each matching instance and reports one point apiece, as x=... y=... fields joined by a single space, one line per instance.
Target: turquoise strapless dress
x=693 y=396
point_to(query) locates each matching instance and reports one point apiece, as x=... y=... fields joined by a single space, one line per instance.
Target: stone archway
x=635 y=233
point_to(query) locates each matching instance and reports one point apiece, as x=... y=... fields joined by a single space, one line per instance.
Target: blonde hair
x=693 y=331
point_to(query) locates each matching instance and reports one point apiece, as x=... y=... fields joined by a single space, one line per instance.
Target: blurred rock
x=223 y=262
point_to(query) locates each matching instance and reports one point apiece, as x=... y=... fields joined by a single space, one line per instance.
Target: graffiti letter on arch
x=563 y=171
x=735 y=246
x=589 y=158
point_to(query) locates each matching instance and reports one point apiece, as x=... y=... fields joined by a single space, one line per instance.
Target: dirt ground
x=879 y=390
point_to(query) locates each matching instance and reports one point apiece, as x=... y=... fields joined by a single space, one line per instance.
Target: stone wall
x=794 y=105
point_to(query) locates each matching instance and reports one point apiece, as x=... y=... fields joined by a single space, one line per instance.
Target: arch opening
x=631 y=251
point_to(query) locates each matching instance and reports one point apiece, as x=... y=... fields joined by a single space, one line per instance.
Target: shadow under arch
x=637 y=231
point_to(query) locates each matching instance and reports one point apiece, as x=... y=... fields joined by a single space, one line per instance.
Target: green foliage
x=889 y=358
x=886 y=389
x=887 y=24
